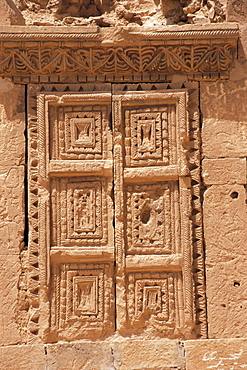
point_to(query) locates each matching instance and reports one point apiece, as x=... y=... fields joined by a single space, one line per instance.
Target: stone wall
x=12 y=167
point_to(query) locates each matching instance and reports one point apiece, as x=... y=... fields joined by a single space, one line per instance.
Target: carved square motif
x=151 y=299
x=146 y=136
x=83 y=132
x=84 y=210
x=151 y=295
x=84 y=202
x=83 y=299
x=77 y=212
x=149 y=219
x=79 y=127
x=85 y=291
x=84 y=295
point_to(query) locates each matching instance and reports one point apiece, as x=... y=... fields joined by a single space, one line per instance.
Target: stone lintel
x=205 y=52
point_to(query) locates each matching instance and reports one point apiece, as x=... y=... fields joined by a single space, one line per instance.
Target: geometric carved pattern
x=78 y=207
x=149 y=219
x=82 y=129
x=215 y=53
x=151 y=300
x=77 y=131
x=83 y=298
x=146 y=136
x=155 y=214
x=154 y=227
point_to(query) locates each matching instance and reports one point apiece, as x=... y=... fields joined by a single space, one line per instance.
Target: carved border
x=70 y=54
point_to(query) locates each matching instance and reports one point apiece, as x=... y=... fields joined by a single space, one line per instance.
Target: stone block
x=9 y=278
x=10 y=14
x=225 y=222
x=225 y=234
x=226 y=298
x=30 y=357
x=83 y=355
x=224 y=354
x=147 y=354
x=224 y=132
x=236 y=11
x=224 y=171
x=12 y=124
x=11 y=209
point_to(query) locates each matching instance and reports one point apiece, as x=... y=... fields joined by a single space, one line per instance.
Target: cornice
x=93 y=51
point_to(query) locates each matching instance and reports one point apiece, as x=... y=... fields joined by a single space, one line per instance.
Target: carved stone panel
x=79 y=131
x=149 y=219
x=153 y=201
x=79 y=210
x=146 y=136
x=83 y=303
x=152 y=300
x=113 y=191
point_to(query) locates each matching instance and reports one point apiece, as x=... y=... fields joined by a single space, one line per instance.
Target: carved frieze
x=209 y=51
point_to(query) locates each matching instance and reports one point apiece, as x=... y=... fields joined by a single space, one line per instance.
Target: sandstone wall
x=12 y=167
x=224 y=152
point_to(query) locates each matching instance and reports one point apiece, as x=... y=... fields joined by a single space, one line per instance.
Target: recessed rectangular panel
x=149 y=216
x=83 y=300
x=146 y=136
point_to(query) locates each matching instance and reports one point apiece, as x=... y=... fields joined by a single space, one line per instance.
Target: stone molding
x=206 y=52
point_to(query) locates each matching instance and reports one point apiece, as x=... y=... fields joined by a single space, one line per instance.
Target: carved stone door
x=110 y=211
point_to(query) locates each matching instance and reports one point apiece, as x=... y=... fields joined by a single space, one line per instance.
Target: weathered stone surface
x=223 y=354
x=12 y=125
x=224 y=171
x=116 y=13
x=10 y=14
x=236 y=11
x=115 y=355
x=23 y=357
x=74 y=356
x=145 y=354
x=226 y=237
x=9 y=281
x=224 y=112
x=63 y=285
